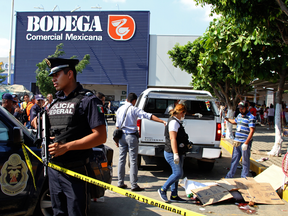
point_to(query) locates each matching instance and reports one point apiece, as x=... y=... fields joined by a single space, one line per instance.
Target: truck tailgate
x=204 y=134
x=153 y=132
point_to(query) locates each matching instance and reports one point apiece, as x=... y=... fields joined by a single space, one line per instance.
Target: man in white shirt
x=129 y=139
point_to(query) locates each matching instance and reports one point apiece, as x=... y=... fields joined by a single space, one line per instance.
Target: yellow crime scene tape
x=28 y=162
x=138 y=197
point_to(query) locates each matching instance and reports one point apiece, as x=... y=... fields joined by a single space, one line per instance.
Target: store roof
x=267 y=85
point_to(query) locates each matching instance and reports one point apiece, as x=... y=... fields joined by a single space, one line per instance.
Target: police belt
x=72 y=164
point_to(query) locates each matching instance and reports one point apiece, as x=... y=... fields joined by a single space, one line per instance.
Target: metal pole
x=11 y=35
x=255 y=95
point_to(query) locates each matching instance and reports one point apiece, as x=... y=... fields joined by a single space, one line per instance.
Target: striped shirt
x=243 y=126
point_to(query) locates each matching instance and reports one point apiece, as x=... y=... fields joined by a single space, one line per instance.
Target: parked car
x=122 y=103
x=202 y=124
x=17 y=194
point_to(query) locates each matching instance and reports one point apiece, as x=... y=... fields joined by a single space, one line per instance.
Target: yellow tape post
x=132 y=195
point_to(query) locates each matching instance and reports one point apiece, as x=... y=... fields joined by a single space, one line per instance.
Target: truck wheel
x=205 y=166
x=138 y=161
x=44 y=206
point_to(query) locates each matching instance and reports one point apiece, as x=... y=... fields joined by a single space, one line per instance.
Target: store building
x=124 y=57
x=117 y=42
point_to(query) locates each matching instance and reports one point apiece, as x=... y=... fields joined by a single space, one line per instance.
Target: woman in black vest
x=175 y=137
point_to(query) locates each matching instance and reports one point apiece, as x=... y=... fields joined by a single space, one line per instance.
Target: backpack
x=24 y=116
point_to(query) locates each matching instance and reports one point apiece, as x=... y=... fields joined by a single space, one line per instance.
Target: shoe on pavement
x=137 y=189
x=163 y=195
x=177 y=199
x=124 y=186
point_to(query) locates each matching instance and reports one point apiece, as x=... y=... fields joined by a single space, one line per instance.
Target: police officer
x=77 y=124
x=36 y=108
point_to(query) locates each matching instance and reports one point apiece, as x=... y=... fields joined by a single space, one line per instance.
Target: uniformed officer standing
x=77 y=123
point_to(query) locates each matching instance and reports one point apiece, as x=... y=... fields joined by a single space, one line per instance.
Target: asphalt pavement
x=152 y=176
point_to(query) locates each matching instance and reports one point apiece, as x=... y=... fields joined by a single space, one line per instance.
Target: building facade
x=117 y=42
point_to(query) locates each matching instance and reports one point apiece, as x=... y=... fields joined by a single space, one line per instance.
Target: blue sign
x=117 y=41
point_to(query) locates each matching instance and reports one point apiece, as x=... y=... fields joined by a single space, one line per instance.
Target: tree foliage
x=224 y=60
x=267 y=20
x=2 y=77
x=267 y=14
x=44 y=82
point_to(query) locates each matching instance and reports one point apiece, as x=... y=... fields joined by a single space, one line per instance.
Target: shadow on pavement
x=160 y=168
x=122 y=206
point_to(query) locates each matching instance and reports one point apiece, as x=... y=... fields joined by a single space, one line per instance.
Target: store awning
x=261 y=85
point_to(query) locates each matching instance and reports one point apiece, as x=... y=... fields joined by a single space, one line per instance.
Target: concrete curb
x=254 y=166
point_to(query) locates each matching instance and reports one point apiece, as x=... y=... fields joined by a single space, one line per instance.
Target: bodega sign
x=116 y=41
x=121 y=27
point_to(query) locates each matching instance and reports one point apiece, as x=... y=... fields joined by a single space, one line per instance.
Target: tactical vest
x=67 y=124
x=182 y=137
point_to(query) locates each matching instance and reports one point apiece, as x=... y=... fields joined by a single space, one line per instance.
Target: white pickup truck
x=204 y=130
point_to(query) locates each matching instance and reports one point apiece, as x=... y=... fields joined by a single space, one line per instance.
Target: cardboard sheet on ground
x=273 y=175
x=251 y=190
x=212 y=194
x=227 y=185
x=262 y=193
x=244 y=181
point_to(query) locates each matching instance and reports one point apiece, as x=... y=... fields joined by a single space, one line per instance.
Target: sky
x=167 y=17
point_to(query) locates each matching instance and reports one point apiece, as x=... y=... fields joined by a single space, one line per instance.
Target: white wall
x=162 y=73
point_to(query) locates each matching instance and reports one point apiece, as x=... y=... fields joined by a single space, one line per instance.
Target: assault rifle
x=42 y=138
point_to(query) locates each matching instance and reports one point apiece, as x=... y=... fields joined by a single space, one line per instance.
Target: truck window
x=4 y=136
x=138 y=100
x=158 y=107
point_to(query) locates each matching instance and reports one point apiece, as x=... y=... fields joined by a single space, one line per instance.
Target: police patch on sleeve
x=100 y=108
x=14 y=176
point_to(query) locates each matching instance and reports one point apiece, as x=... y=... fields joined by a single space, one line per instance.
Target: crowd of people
x=26 y=108
x=264 y=115
x=246 y=116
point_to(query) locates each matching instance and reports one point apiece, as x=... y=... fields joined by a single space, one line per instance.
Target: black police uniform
x=72 y=117
x=35 y=109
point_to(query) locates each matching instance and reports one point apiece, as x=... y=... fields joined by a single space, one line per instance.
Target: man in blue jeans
x=243 y=140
